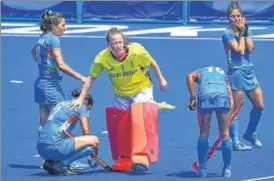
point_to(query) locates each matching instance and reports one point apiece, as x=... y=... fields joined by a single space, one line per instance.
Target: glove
x=192 y=103
x=243 y=30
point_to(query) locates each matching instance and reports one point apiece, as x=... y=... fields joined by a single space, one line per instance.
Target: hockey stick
x=210 y=152
x=94 y=156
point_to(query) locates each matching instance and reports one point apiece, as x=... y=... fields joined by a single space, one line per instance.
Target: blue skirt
x=213 y=102
x=243 y=79
x=48 y=91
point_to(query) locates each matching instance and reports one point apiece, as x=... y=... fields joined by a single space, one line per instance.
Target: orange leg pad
x=144 y=130
x=118 y=126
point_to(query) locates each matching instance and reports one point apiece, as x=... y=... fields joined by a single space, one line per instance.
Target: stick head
x=195 y=166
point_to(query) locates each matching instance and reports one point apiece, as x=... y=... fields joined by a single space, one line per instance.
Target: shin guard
x=118 y=126
x=144 y=132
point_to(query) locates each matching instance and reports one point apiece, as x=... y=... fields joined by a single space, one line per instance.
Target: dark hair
x=234 y=5
x=115 y=30
x=76 y=93
x=49 y=19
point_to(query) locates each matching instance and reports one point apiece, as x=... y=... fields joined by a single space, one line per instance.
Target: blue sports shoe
x=60 y=168
x=226 y=172
x=202 y=173
x=138 y=167
x=253 y=139
x=239 y=146
x=81 y=164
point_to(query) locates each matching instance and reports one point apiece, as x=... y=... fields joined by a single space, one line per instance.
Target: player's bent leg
x=118 y=126
x=53 y=153
x=234 y=132
x=44 y=114
x=144 y=135
x=80 y=159
x=83 y=141
x=204 y=116
x=256 y=98
x=78 y=148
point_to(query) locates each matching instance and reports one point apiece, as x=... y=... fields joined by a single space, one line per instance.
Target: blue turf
x=178 y=129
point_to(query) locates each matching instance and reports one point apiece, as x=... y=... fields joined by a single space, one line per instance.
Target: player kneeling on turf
x=55 y=147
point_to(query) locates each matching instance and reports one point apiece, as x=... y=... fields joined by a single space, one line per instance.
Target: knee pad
x=118 y=126
x=144 y=130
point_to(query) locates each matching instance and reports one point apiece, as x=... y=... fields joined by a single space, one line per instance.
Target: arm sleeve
x=55 y=43
x=96 y=68
x=199 y=71
x=227 y=37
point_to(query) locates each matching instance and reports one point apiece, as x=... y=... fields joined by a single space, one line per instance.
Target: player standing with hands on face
x=238 y=45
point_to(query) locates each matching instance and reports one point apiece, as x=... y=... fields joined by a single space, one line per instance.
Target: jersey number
x=55 y=110
x=219 y=70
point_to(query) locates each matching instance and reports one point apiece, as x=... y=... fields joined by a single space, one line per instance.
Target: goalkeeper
x=132 y=118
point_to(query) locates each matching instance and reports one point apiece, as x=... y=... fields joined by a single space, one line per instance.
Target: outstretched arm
x=85 y=89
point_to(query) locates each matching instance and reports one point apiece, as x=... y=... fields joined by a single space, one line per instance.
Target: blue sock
x=254 y=119
x=202 y=146
x=233 y=130
x=79 y=154
x=227 y=152
x=39 y=130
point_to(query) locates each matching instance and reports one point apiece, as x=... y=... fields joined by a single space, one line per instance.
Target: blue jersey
x=46 y=62
x=61 y=118
x=234 y=59
x=212 y=80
